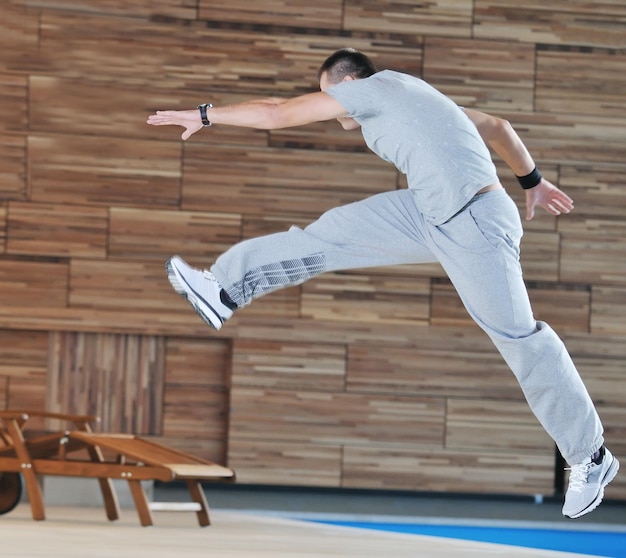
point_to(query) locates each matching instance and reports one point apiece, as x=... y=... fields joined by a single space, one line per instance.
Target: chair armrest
x=24 y=415
x=10 y=415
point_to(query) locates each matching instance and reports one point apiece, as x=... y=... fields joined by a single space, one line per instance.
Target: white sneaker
x=586 y=484
x=201 y=289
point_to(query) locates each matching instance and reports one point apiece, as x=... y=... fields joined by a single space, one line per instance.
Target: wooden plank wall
x=371 y=379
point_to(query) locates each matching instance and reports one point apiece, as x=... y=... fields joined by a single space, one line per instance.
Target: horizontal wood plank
x=142 y=234
x=573 y=22
x=13 y=167
x=123 y=286
x=192 y=411
x=23 y=354
x=564 y=138
x=486 y=74
x=494 y=425
x=13 y=102
x=57 y=230
x=19 y=32
x=278 y=181
x=363 y=298
x=28 y=393
x=325 y=14
x=589 y=82
x=201 y=57
x=33 y=284
x=427 y=371
x=287 y=463
x=74 y=106
x=596 y=260
x=198 y=362
x=100 y=170
x=448 y=471
x=184 y=9
x=335 y=418
x=432 y=18
x=106 y=320
x=3 y=227
x=295 y=366
x=599 y=195
x=4 y=392
x=608 y=310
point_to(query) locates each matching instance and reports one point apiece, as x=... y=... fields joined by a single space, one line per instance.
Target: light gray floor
x=79 y=532
x=405 y=505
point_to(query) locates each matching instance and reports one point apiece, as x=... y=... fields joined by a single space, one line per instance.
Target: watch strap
x=202 y=108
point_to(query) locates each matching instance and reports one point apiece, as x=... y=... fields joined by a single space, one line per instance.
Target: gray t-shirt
x=407 y=122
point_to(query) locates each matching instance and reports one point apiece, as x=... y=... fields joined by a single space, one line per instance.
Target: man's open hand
x=548 y=196
x=188 y=119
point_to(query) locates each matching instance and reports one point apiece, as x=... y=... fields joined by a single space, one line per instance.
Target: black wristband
x=202 y=108
x=530 y=180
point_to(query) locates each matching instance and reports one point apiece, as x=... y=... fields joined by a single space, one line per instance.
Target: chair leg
x=197 y=495
x=33 y=489
x=109 y=496
x=141 y=502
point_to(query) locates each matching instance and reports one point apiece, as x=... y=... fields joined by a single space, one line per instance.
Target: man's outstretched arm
x=500 y=136
x=267 y=114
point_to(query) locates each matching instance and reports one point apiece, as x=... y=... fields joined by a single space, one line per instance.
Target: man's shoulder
x=395 y=75
x=394 y=80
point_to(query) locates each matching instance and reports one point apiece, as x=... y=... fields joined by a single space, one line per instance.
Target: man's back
x=424 y=134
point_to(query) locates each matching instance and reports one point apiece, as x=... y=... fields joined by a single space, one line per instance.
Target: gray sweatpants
x=479 y=250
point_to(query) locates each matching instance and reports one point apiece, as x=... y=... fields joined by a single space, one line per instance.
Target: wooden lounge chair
x=79 y=452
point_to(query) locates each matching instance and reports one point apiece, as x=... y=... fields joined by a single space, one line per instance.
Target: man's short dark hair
x=346 y=62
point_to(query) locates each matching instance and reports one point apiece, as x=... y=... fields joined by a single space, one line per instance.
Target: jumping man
x=455 y=212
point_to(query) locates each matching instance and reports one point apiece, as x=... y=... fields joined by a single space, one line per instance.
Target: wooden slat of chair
x=203 y=472
x=89 y=469
x=131 y=446
x=147 y=452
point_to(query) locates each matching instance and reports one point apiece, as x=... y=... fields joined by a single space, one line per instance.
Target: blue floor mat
x=596 y=543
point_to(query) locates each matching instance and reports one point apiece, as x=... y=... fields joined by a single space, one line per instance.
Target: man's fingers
x=564 y=207
x=163 y=118
x=552 y=208
x=560 y=203
x=158 y=120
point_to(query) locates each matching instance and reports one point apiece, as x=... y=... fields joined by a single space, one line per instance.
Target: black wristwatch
x=202 y=108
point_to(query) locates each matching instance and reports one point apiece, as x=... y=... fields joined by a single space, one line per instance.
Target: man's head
x=346 y=63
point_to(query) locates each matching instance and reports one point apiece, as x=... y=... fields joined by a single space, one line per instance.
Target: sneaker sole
x=608 y=477
x=201 y=307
